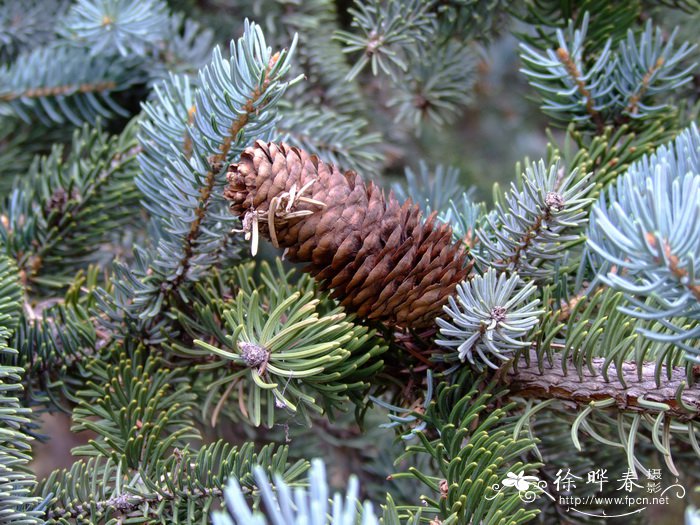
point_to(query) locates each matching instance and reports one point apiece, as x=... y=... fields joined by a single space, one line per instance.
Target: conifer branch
x=633 y=105
x=494 y=336
x=198 y=130
x=16 y=483
x=118 y=162
x=673 y=263
x=216 y=162
x=63 y=202
x=334 y=137
x=610 y=85
x=648 y=388
x=535 y=221
x=632 y=388
x=641 y=228
x=126 y=504
x=63 y=83
x=165 y=488
x=55 y=91
x=576 y=76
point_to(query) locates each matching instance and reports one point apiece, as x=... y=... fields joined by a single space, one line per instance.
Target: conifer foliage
x=203 y=270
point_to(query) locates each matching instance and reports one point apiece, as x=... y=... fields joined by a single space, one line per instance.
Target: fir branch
x=16 y=484
x=60 y=90
x=185 y=50
x=633 y=105
x=465 y=216
x=277 y=347
x=57 y=338
x=217 y=160
x=532 y=225
x=334 y=137
x=190 y=135
x=122 y=504
x=610 y=154
x=648 y=66
x=644 y=232
x=577 y=78
x=319 y=57
x=611 y=86
x=493 y=315
x=594 y=359
x=477 y=20
x=432 y=188
x=26 y=24
x=594 y=312
x=122 y=26
x=566 y=80
x=473 y=441
x=179 y=488
x=607 y=20
x=65 y=208
x=435 y=90
x=390 y=33
x=19 y=144
x=128 y=505
x=60 y=84
x=648 y=389
x=162 y=414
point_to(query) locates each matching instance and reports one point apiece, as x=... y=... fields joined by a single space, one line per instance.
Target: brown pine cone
x=377 y=255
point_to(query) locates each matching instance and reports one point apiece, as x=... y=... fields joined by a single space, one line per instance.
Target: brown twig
x=127 y=504
x=575 y=74
x=59 y=90
x=633 y=105
x=674 y=265
x=566 y=308
x=218 y=160
x=527 y=381
x=528 y=237
x=187 y=143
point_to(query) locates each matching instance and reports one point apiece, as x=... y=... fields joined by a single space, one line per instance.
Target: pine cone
x=377 y=255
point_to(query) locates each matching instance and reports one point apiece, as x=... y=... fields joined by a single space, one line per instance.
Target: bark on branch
x=635 y=395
